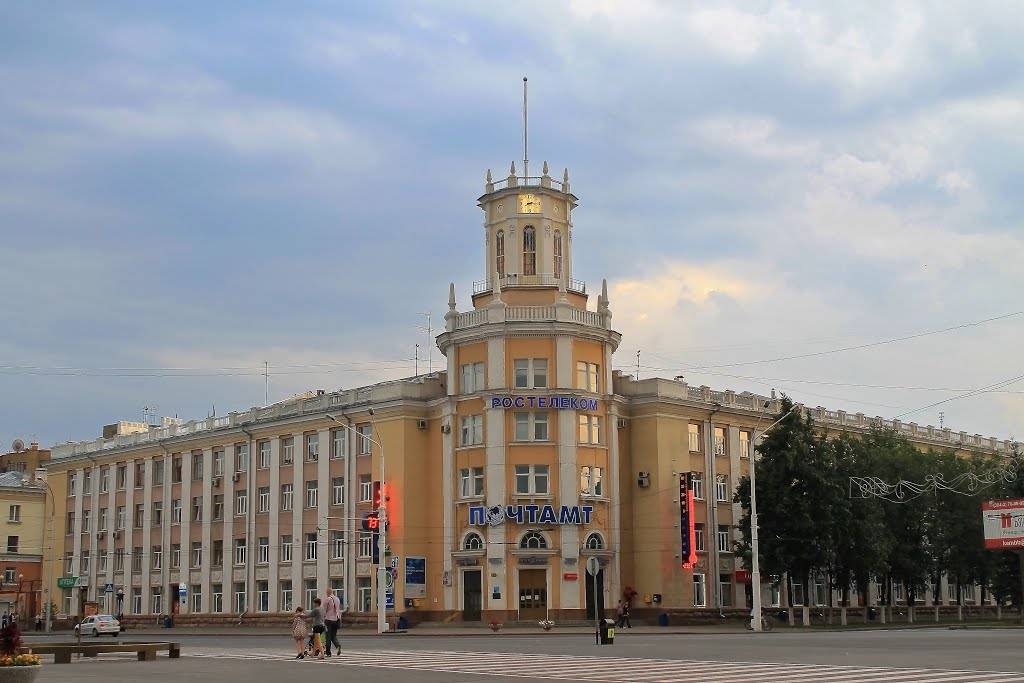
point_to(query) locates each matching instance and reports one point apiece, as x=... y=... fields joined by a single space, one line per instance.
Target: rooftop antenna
x=266 y=383
x=416 y=358
x=148 y=411
x=430 y=341
x=526 y=156
x=942 y=419
x=638 y=365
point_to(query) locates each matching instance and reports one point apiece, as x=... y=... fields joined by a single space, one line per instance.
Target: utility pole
x=416 y=359
x=266 y=383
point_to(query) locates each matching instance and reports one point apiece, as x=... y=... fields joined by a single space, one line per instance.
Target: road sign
x=108 y=588
x=389 y=581
x=67 y=581
x=593 y=566
x=182 y=589
x=1004 y=523
x=394 y=561
x=82 y=582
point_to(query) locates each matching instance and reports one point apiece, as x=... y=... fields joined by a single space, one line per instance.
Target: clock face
x=529 y=203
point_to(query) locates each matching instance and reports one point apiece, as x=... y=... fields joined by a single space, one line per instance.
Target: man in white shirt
x=332 y=620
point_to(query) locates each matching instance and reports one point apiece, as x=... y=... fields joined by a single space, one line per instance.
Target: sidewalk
x=530 y=630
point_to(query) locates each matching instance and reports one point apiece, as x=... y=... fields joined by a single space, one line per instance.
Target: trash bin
x=403 y=624
x=872 y=613
x=662 y=619
x=606 y=632
x=168 y=621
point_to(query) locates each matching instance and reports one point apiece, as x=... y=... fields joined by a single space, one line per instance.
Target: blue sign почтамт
x=480 y=515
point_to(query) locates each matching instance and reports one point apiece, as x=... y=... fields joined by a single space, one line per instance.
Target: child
x=299 y=632
x=317 y=616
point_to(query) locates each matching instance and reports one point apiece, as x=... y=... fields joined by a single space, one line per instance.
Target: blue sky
x=214 y=186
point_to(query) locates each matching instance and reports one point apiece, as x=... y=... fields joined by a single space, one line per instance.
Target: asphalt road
x=885 y=656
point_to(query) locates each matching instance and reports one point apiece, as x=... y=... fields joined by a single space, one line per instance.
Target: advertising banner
x=1004 y=523
x=688 y=541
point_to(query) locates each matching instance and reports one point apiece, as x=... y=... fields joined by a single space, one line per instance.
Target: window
x=287 y=490
x=365 y=488
x=365 y=544
x=218 y=506
x=10 y=575
x=700 y=545
x=104 y=479
x=103 y=520
x=217 y=553
x=700 y=598
x=72 y=482
x=725 y=589
x=286 y=548
x=719 y=441
x=138 y=518
x=722 y=488
x=310 y=547
x=241 y=502
x=287 y=450
x=365 y=434
x=499 y=252
x=140 y=473
x=158 y=513
x=723 y=539
x=69 y=527
x=587 y=376
x=745 y=444
x=533 y=540
x=121 y=480
x=156 y=554
x=158 y=472
x=339 y=443
x=558 y=253
x=591 y=481
x=471 y=482
x=12 y=544
x=264 y=499
x=532 y=426
x=84 y=559
x=472 y=430
x=363 y=593
x=472 y=378
x=176 y=511
x=197 y=597
x=263 y=550
x=263 y=455
x=176 y=470
x=122 y=518
x=338 y=491
x=119 y=559
x=239 y=589
x=311 y=493
x=694 y=435
x=217 y=597
x=310 y=586
x=197 y=554
x=14 y=513
x=102 y=557
x=531 y=479
x=473 y=542
x=156 y=601
x=591 y=429
x=286 y=596
x=262 y=596
x=87 y=481
x=240 y=551
x=529 y=251
x=197 y=467
x=531 y=373
x=197 y=508
x=175 y=555
x=242 y=457
x=218 y=462
x=136 y=601
x=697 y=485
x=594 y=542
x=312 y=447
x=337 y=541
x=136 y=560
x=86 y=521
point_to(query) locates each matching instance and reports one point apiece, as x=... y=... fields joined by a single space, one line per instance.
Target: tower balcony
x=516 y=280
x=513 y=181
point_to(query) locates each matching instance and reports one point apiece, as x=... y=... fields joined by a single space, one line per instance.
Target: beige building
x=23 y=521
x=505 y=474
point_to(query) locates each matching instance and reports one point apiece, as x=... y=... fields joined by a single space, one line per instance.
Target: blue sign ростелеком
x=554 y=402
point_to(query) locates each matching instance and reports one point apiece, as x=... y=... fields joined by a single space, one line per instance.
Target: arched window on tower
x=473 y=541
x=594 y=542
x=499 y=251
x=558 y=254
x=529 y=251
x=533 y=540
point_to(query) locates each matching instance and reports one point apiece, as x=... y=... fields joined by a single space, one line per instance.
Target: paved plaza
x=898 y=656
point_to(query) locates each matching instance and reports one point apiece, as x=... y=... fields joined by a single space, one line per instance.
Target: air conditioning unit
x=446 y=428
x=643 y=480
x=621 y=423
x=235 y=477
x=421 y=424
x=216 y=482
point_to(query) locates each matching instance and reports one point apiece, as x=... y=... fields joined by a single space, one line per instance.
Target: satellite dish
x=18 y=446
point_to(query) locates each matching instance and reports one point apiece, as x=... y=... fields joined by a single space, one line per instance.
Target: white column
x=614 y=571
x=274 y=531
x=76 y=539
x=165 y=536
x=228 y=491
x=128 y=534
x=207 y=531
x=94 y=541
x=146 y=536
x=298 y=503
x=568 y=473
x=323 y=499
x=495 y=472
x=185 y=576
x=448 y=493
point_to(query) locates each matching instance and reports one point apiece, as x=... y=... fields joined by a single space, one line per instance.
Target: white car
x=98 y=625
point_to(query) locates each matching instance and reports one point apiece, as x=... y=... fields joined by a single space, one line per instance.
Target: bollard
x=842 y=615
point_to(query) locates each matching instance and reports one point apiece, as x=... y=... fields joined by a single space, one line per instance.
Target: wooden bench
x=62 y=651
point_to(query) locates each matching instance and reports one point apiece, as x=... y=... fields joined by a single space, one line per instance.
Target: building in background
x=24 y=459
x=22 y=525
x=505 y=474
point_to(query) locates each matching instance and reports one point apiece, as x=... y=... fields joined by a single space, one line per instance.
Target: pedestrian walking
x=316 y=615
x=625 y=614
x=332 y=620
x=39 y=622
x=619 y=609
x=299 y=632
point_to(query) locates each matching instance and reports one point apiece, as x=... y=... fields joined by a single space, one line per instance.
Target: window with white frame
x=218 y=506
x=365 y=544
x=364 y=434
x=239 y=589
x=472 y=430
x=310 y=547
x=287 y=450
x=197 y=598
x=263 y=550
x=156 y=555
x=87 y=520
x=197 y=554
x=176 y=470
x=287 y=493
x=311 y=493
x=218 y=462
x=591 y=429
x=176 y=511
x=121 y=478
x=531 y=426
x=473 y=541
x=337 y=490
x=119 y=559
x=72 y=483
x=339 y=443
x=363 y=593
x=102 y=557
x=263 y=455
x=102 y=520
x=85 y=560
x=136 y=560
x=471 y=482
x=365 y=488
x=87 y=479
x=721 y=488
x=263 y=499
x=197 y=508
x=725 y=589
x=310 y=592
x=472 y=378
x=217 y=597
x=286 y=548
x=242 y=457
x=591 y=481
x=241 y=502
x=217 y=554
x=588 y=376
x=175 y=555
x=312 y=447
x=694 y=438
x=122 y=518
x=337 y=543
x=531 y=480
x=240 y=550
x=136 y=601
x=197 y=466
x=700 y=597
x=724 y=546
x=533 y=540
x=697 y=485
x=531 y=373
x=158 y=514
x=744 y=444
x=14 y=513
x=262 y=596
x=719 y=441
x=286 y=596
x=104 y=479
x=699 y=542
x=594 y=542
x=157 y=601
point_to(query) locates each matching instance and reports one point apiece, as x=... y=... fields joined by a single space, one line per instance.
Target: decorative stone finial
x=545 y=168
x=451 y=296
x=488 y=175
x=512 y=171
x=565 y=176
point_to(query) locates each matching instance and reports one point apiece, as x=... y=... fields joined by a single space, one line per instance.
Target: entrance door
x=533 y=594
x=172 y=598
x=590 y=595
x=471 y=595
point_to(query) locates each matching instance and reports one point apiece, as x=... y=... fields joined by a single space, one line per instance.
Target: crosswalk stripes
x=624 y=669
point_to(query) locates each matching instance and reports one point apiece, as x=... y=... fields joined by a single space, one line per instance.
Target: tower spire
x=526 y=156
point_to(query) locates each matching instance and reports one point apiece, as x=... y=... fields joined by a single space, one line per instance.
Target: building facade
x=506 y=475
x=22 y=523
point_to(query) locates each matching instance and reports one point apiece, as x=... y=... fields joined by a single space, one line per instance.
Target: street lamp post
x=48 y=618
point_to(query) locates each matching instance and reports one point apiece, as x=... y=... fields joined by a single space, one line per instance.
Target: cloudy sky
x=206 y=187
